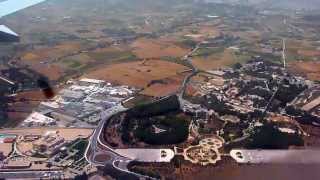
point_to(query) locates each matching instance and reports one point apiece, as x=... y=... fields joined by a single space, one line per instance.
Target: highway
x=116 y=160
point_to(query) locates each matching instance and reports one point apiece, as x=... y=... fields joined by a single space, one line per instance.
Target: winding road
x=97 y=148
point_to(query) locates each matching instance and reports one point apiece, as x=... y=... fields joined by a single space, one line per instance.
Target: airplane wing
x=9 y=7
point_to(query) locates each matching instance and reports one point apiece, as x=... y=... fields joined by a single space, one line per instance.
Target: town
x=131 y=89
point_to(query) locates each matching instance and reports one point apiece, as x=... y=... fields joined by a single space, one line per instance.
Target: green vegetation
x=80 y=147
x=137 y=167
x=208 y=51
x=51 y=38
x=161 y=107
x=187 y=43
x=112 y=56
x=115 y=24
x=270 y=137
x=242 y=57
x=175 y=130
x=72 y=64
x=137 y=100
x=3 y=109
x=139 y=123
x=176 y=60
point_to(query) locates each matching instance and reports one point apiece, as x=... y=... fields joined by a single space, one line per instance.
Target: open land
x=162 y=50
x=216 y=61
x=156 y=48
x=138 y=74
x=309 y=69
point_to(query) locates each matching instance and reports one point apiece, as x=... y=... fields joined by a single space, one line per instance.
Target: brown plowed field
x=51 y=52
x=150 y=48
x=139 y=73
x=169 y=85
x=215 y=61
x=310 y=69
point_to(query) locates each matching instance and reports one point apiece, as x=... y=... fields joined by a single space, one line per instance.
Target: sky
x=12 y=6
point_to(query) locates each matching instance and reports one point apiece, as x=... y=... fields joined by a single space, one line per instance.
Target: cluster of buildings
x=36 y=155
x=48 y=144
x=79 y=104
x=241 y=95
x=309 y=101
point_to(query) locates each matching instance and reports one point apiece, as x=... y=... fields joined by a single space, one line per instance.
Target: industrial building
x=79 y=104
x=49 y=144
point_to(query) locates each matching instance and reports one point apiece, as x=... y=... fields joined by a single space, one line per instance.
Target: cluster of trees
x=122 y=32
x=188 y=43
x=4 y=100
x=135 y=167
x=270 y=137
x=176 y=131
x=139 y=120
x=157 y=108
x=301 y=116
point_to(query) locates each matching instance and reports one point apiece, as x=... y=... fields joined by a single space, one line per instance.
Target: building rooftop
x=311 y=105
x=94 y=81
x=36 y=117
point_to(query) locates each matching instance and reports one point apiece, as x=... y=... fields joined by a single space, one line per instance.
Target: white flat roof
x=95 y=81
x=38 y=118
x=5 y=29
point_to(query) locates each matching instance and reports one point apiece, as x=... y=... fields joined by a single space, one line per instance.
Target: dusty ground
x=137 y=74
x=311 y=53
x=169 y=85
x=68 y=134
x=6 y=148
x=43 y=54
x=215 y=61
x=310 y=69
x=156 y=48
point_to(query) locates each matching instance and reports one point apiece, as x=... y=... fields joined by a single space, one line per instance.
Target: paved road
x=97 y=147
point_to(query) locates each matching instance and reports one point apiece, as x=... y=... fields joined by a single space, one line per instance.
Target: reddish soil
x=151 y=48
x=167 y=86
x=310 y=69
x=137 y=74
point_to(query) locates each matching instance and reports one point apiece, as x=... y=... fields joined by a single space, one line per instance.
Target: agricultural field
x=164 y=87
x=308 y=69
x=215 y=60
x=156 y=48
x=139 y=73
x=52 y=53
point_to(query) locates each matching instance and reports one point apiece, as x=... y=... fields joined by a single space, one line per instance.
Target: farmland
x=153 y=48
x=139 y=73
x=310 y=69
x=215 y=61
